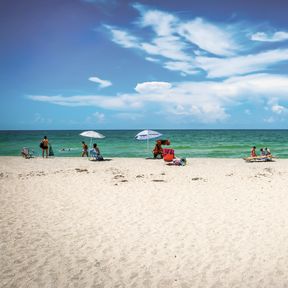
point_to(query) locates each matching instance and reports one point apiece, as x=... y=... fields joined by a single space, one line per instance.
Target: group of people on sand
x=94 y=152
x=158 y=152
x=264 y=152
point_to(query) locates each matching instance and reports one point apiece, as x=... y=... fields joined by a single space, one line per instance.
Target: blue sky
x=96 y=64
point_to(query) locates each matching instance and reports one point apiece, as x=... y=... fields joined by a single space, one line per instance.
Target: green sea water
x=122 y=143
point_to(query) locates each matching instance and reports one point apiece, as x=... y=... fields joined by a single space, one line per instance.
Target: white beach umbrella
x=91 y=135
x=147 y=135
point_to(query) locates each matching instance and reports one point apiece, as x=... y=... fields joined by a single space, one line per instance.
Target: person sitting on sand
x=262 y=152
x=96 y=149
x=85 y=149
x=158 y=150
x=267 y=152
x=253 y=152
x=95 y=153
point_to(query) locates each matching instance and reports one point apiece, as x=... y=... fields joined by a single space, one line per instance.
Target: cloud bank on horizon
x=223 y=67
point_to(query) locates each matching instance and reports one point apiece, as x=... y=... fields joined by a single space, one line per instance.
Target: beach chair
x=26 y=153
x=94 y=156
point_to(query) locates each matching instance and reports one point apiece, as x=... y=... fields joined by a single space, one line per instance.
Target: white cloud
x=173 y=39
x=118 y=102
x=123 y=38
x=102 y=83
x=226 y=67
x=161 y=22
x=278 y=109
x=169 y=46
x=197 y=45
x=184 y=67
x=205 y=101
x=152 y=59
x=264 y=37
x=208 y=37
x=203 y=112
x=151 y=87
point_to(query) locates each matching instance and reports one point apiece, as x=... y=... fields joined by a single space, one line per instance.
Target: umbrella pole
x=90 y=147
x=147 y=146
x=148 y=142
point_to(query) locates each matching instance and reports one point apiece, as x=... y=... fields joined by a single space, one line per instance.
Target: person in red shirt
x=253 y=152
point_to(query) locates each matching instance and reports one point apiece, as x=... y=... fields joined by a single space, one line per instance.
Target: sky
x=111 y=64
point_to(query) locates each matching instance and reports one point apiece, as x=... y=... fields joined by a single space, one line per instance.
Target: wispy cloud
x=230 y=73
x=197 y=45
x=265 y=37
x=123 y=38
x=169 y=47
x=279 y=109
x=150 y=18
x=208 y=37
x=102 y=83
x=241 y=65
x=183 y=67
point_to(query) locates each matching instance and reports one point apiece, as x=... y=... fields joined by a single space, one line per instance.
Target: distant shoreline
x=122 y=143
x=160 y=129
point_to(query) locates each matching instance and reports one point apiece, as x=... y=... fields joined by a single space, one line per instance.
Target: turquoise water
x=121 y=143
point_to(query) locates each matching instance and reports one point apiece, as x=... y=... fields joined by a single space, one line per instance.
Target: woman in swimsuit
x=45 y=145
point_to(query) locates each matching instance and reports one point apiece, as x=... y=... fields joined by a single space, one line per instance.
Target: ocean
x=122 y=143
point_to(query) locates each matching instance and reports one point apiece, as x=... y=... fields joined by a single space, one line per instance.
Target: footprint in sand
x=81 y=170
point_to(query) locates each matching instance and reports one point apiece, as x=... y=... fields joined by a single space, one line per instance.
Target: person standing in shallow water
x=84 y=149
x=45 y=145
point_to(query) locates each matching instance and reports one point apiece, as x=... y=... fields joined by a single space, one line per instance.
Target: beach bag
x=168 y=157
x=41 y=145
x=100 y=158
x=167 y=151
x=51 y=152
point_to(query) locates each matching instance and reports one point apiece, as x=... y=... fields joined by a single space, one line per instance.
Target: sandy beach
x=71 y=222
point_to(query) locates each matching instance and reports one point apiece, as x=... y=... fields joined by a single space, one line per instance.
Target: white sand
x=70 y=222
